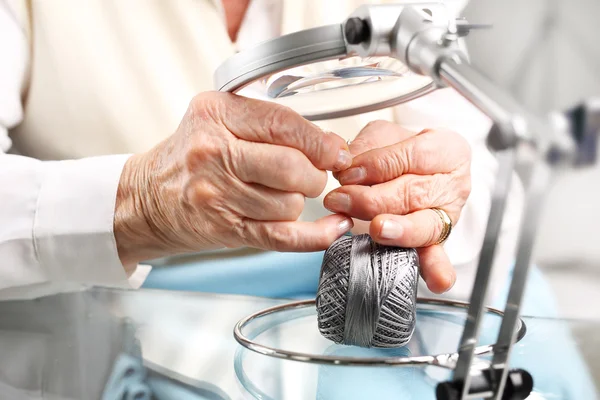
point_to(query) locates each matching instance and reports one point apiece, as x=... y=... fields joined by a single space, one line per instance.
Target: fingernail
x=337 y=202
x=391 y=230
x=344 y=160
x=344 y=226
x=353 y=176
x=452 y=279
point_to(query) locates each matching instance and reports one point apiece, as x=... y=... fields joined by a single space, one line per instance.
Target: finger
x=431 y=152
x=277 y=167
x=374 y=135
x=378 y=134
x=418 y=229
x=266 y=122
x=436 y=269
x=299 y=236
x=400 y=196
x=263 y=203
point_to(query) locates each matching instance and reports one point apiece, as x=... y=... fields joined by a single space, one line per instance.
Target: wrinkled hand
x=396 y=177
x=236 y=173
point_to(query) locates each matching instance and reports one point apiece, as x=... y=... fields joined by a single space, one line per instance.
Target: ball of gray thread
x=367 y=293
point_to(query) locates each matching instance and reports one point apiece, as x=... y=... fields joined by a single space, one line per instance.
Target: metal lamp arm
x=430 y=47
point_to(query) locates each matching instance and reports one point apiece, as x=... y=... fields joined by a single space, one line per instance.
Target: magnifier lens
x=339 y=87
x=313 y=72
x=328 y=75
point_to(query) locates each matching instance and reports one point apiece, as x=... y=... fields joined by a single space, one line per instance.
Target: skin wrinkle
x=265 y=132
x=275 y=126
x=276 y=123
x=402 y=158
x=396 y=159
x=280 y=236
x=437 y=228
x=152 y=218
x=440 y=156
x=226 y=157
x=462 y=192
x=325 y=147
x=198 y=192
x=410 y=195
x=311 y=183
x=215 y=155
x=282 y=206
x=235 y=190
x=207 y=150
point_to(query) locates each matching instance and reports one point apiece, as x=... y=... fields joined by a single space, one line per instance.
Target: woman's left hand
x=396 y=178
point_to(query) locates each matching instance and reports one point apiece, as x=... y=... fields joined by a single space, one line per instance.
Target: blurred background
x=550 y=60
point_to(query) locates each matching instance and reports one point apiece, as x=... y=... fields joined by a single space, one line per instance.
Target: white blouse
x=56 y=217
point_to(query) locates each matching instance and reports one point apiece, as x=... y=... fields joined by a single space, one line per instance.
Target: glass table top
x=91 y=344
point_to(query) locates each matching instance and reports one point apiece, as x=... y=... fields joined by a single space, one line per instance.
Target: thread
x=367 y=293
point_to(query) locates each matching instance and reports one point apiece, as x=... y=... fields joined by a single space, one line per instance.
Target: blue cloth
x=127 y=380
x=548 y=343
x=268 y=274
x=131 y=380
x=167 y=389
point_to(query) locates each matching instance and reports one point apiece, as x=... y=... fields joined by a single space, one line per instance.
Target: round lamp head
x=314 y=73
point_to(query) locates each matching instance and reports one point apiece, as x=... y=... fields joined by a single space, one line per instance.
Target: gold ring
x=447 y=222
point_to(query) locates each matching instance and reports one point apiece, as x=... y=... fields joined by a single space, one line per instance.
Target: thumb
x=296 y=236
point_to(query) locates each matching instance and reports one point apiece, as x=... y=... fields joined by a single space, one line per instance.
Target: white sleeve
x=56 y=217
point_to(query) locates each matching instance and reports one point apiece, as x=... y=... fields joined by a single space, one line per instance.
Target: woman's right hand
x=235 y=173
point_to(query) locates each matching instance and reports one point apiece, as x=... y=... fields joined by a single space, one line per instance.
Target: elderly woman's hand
x=235 y=173
x=396 y=177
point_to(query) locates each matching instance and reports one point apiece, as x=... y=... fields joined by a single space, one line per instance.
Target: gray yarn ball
x=367 y=293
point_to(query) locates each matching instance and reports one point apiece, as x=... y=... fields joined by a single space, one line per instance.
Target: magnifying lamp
x=311 y=70
x=384 y=55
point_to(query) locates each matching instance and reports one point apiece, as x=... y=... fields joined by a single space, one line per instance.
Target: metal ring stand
x=447 y=360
